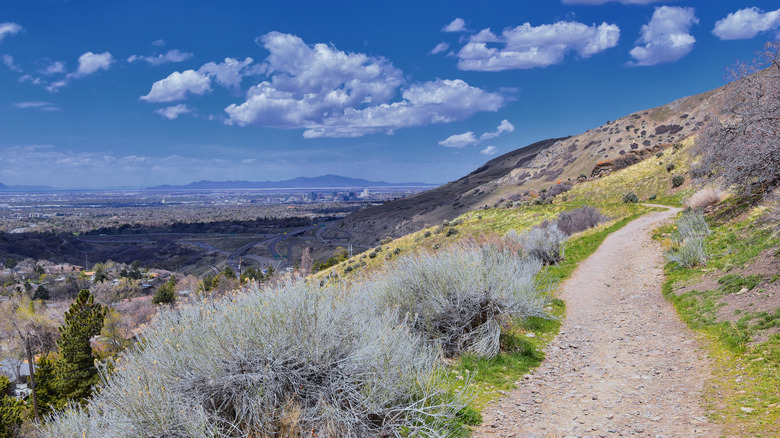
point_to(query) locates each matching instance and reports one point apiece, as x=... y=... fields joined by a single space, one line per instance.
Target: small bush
x=544 y=243
x=427 y=234
x=297 y=360
x=688 y=242
x=631 y=198
x=372 y=255
x=556 y=190
x=705 y=197
x=659 y=154
x=670 y=167
x=689 y=253
x=579 y=219
x=452 y=232
x=678 y=180
x=691 y=224
x=460 y=298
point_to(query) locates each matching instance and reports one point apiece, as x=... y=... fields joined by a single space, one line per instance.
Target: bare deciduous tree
x=307 y=262
x=741 y=143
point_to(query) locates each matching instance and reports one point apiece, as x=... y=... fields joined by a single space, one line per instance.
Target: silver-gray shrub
x=298 y=360
x=545 y=242
x=689 y=247
x=461 y=297
x=691 y=223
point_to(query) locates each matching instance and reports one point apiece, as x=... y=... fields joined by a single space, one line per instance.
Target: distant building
x=365 y=193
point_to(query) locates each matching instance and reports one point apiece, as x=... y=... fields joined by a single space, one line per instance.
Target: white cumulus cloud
x=332 y=93
x=90 y=63
x=177 y=85
x=8 y=28
x=441 y=47
x=457 y=25
x=54 y=68
x=528 y=46
x=230 y=73
x=666 y=38
x=173 y=112
x=469 y=139
x=490 y=150
x=460 y=140
x=505 y=126
x=746 y=23
x=169 y=56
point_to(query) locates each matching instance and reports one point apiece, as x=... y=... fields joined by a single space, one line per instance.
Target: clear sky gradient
x=102 y=94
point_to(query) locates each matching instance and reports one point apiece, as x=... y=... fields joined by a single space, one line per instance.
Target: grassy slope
x=646 y=179
x=746 y=374
x=522 y=353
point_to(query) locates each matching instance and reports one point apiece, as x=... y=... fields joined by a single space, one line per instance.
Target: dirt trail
x=623 y=363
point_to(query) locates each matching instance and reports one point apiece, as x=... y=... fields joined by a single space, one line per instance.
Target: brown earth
x=623 y=363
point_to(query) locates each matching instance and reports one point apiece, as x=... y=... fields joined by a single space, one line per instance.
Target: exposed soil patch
x=764 y=297
x=623 y=363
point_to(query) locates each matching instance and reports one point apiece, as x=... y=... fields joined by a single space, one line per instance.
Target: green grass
x=472 y=225
x=648 y=179
x=747 y=373
x=521 y=353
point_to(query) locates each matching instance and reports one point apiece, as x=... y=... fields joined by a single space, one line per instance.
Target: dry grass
x=647 y=178
x=705 y=197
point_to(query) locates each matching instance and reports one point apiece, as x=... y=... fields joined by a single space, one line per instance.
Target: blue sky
x=98 y=94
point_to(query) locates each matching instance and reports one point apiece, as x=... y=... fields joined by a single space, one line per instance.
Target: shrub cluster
x=544 y=243
x=291 y=361
x=460 y=298
x=677 y=181
x=556 y=190
x=579 y=219
x=705 y=197
x=631 y=198
x=688 y=243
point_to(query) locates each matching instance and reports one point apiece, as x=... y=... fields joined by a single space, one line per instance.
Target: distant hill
x=319 y=182
x=539 y=166
x=5 y=188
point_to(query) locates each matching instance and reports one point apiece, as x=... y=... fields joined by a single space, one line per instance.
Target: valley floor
x=623 y=363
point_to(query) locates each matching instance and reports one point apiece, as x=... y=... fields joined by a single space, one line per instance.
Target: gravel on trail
x=623 y=363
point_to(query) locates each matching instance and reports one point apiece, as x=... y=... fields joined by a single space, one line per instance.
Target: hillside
x=540 y=165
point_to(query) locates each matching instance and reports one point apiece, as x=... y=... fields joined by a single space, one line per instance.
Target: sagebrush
x=297 y=360
x=460 y=298
x=689 y=246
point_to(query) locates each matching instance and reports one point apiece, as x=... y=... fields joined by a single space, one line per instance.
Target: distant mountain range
x=5 y=188
x=319 y=182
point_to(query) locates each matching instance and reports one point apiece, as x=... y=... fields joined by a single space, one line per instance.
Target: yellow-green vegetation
x=479 y=224
x=649 y=179
x=523 y=343
x=744 y=393
x=520 y=352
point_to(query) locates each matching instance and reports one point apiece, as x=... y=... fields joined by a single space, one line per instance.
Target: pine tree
x=166 y=293
x=48 y=396
x=76 y=372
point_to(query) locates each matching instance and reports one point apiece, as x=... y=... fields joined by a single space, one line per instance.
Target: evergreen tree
x=75 y=373
x=11 y=410
x=48 y=397
x=165 y=294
